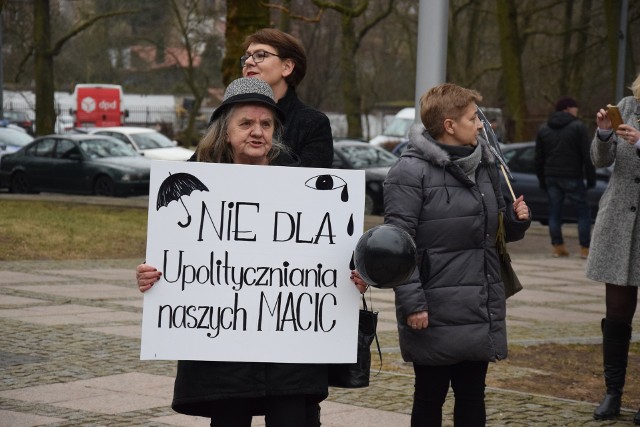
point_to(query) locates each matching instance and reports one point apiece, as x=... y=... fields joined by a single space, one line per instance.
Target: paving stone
x=19 y=419
x=70 y=355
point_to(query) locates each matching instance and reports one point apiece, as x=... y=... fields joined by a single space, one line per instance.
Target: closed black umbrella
x=494 y=147
x=176 y=186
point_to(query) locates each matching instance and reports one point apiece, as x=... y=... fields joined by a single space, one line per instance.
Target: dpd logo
x=106 y=105
x=88 y=104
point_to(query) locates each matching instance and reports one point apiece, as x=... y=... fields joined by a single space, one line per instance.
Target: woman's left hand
x=357 y=280
x=521 y=209
x=630 y=134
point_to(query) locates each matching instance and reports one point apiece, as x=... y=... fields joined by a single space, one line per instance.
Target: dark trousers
x=280 y=411
x=575 y=190
x=467 y=379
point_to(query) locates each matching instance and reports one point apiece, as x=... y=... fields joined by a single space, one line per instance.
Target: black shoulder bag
x=356 y=375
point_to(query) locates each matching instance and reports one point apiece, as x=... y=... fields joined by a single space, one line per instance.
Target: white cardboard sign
x=255 y=262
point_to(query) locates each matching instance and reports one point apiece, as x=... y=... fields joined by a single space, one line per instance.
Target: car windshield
x=15 y=115
x=366 y=156
x=15 y=138
x=398 y=127
x=150 y=140
x=100 y=148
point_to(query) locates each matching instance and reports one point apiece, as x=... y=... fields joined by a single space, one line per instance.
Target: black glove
x=591 y=183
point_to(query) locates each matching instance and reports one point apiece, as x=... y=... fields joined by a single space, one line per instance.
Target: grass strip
x=41 y=230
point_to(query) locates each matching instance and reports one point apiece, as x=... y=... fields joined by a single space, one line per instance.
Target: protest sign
x=255 y=262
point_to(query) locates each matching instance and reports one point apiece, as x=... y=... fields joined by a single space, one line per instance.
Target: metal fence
x=135 y=116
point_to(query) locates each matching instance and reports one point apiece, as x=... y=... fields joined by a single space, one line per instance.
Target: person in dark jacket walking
x=245 y=129
x=444 y=191
x=562 y=164
x=279 y=59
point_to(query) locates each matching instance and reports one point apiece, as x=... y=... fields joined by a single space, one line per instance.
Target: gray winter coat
x=453 y=221
x=614 y=254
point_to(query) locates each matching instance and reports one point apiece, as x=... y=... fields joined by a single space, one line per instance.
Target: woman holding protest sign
x=245 y=129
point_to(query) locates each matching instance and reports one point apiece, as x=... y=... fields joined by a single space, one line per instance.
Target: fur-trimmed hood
x=423 y=146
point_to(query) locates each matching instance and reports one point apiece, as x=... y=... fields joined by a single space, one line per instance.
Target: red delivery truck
x=98 y=105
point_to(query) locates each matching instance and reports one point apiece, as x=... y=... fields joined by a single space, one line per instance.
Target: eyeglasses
x=258 y=57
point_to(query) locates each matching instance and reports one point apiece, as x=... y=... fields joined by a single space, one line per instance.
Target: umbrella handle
x=506 y=178
x=187 y=224
x=188 y=215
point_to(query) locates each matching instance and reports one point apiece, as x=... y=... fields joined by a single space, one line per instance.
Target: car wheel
x=104 y=186
x=369 y=205
x=20 y=183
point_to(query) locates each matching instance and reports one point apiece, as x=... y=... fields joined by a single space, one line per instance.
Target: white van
x=397 y=130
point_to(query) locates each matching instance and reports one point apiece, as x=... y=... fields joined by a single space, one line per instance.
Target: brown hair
x=287 y=47
x=214 y=148
x=446 y=101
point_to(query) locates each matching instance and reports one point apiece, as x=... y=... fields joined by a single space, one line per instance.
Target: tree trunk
x=510 y=51
x=244 y=17
x=567 y=57
x=43 y=58
x=350 y=91
x=576 y=77
x=285 y=18
x=612 y=16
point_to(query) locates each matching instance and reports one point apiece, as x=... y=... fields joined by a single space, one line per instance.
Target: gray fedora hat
x=247 y=90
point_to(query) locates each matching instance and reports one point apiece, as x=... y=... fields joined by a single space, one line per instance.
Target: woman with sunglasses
x=279 y=59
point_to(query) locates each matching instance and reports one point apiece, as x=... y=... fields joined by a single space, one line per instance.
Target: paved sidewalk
x=69 y=348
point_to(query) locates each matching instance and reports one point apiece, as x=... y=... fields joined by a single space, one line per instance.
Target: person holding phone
x=616 y=264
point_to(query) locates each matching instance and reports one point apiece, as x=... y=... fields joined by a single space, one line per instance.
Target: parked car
x=397 y=130
x=520 y=157
x=76 y=163
x=375 y=161
x=148 y=142
x=20 y=118
x=398 y=149
x=64 y=124
x=12 y=140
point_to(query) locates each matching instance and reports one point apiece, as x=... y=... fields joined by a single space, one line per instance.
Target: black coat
x=201 y=386
x=454 y=222
x=307 y=132
x=562 y=149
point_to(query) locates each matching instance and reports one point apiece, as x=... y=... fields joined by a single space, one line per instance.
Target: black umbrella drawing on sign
x=176 y=186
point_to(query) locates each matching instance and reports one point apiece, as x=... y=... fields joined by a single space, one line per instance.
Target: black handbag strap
x=375 y=334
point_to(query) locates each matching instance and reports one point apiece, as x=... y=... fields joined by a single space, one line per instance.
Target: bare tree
x=193 y=27
x=473 y=54
x=349 y=10
x=521 y=55
x=244 y=17
x=44 y=52
x=510 y=51
x=386 y=63
x=572 y=80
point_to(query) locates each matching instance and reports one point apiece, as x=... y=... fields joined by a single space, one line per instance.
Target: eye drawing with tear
x=329 y=183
